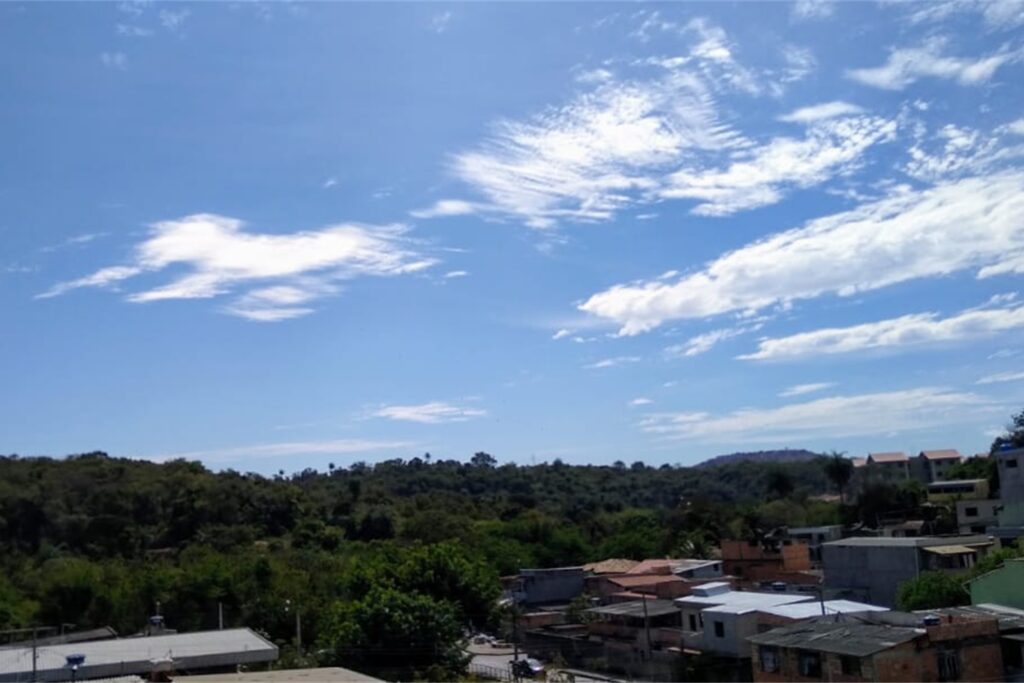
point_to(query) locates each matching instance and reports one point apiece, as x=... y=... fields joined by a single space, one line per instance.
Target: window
x=810 y=664
x=850 y=665
x=769 y=659
x=1011 y=463
x=693 y=622
x=971 y=512
x=949 y=665
x=719 y=630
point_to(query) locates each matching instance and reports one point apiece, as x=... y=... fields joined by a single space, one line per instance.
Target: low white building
x=718 y=620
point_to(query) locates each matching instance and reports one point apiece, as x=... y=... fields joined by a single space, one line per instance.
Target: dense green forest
x=401 y=557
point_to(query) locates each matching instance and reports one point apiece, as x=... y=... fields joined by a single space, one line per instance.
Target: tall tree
x=1014 y=436
x=839 y=470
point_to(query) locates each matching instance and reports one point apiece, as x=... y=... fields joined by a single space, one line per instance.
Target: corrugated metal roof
x=844 y=638
x=655 y=608
x=121 y=656
x=807 y=610
x=950 y=550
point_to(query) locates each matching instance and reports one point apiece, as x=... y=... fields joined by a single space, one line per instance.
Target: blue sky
x=280 y=235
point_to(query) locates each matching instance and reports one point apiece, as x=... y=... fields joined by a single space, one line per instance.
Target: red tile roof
x=942 y=454
x=895 y=456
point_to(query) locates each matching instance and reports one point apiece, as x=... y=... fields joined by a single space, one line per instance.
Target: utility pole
x=34 y=652
x=298 y=629
x=647 y=626
x=220 y=615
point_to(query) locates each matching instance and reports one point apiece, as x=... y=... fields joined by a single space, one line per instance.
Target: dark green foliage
x=932 y=590
x=1014 y=436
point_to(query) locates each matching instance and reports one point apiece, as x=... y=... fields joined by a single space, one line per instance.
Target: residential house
x=932 y=466
x=717 y=619
x=781 y=615
x=1002 y=586
x=755 y=563
x=813 y=537
x=1010 y=519
x=867 y=648
x=957 y=489
x=1011 y=632
x=613 y=565
x=558 y=585
x=976 y=516
x=871 y=569
x=682 y=567
x=892 y=466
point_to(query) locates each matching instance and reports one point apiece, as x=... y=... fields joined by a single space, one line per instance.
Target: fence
x=492 y=673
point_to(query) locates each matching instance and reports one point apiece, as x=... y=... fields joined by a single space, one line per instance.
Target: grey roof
x=740 y=602
x=804 y=610
x=1010 y=618
x=122 y=656
x=635 y=608
x=913 y=542
x=844 y=638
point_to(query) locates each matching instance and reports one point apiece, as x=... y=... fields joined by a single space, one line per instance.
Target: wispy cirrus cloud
x=912 y=234
x=629 y=141
x=284 y=269
x=702 y=343
x=641 y=401
x=832 y=417
x=996 y=14
x=821 y=112
x=908 y=331
x=804 y=10
x=434 y=412
x=801 y=389
x=611 y=362
x=114 y=60
x=909 y=64
x=1001 y=377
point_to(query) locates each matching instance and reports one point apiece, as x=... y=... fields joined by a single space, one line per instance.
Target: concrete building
x=957 y=489
x=871 y=569
x=892 y=466
x=932 y=466
x=717 y=620
x=142 y=656
x=976 y=516
x=1010 y=519
x=781 y=615
x=1002 y=586
x=533 y=587
x=862 y=648
x=814 y=536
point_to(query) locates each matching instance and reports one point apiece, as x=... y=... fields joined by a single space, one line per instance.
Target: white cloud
x=832 y=417
x=820 y=112
x=956 y=150
x=907 y=65
x=997 y=14
x=76 y=241
x=435 y=412
x=800 y=63
x=439 y=22
x=1015 y=127
x=330 y=182
x=447 y=207
x=762 y=175
x=452 y=274
x=801 y=389
x=274 y=450
x=561 y=334
x=912 y=234
x=292 y=268
x=917 y=329
x=642 y=401
x=612 y=362
x=812 y=9
x=173 y=21
x=1002 y=377
x=114 y=60
x=703 y=343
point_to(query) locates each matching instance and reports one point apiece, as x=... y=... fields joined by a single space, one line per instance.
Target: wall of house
x=549 y=586
x=1011 y=479
x=985 y=515
x=1003 y=586
x=871 y=574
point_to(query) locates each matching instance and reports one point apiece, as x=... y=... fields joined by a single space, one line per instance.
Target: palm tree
x=839 y=470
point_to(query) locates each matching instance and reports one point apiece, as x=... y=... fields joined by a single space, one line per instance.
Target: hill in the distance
x=785 y=455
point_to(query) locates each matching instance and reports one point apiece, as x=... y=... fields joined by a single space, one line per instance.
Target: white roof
x=121 y=656
x=740 y=602
x=805 y=610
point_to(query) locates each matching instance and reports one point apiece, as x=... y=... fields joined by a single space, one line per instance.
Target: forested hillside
x=94 y=540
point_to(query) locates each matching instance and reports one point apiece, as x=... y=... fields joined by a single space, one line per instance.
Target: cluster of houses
x=805 y=604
